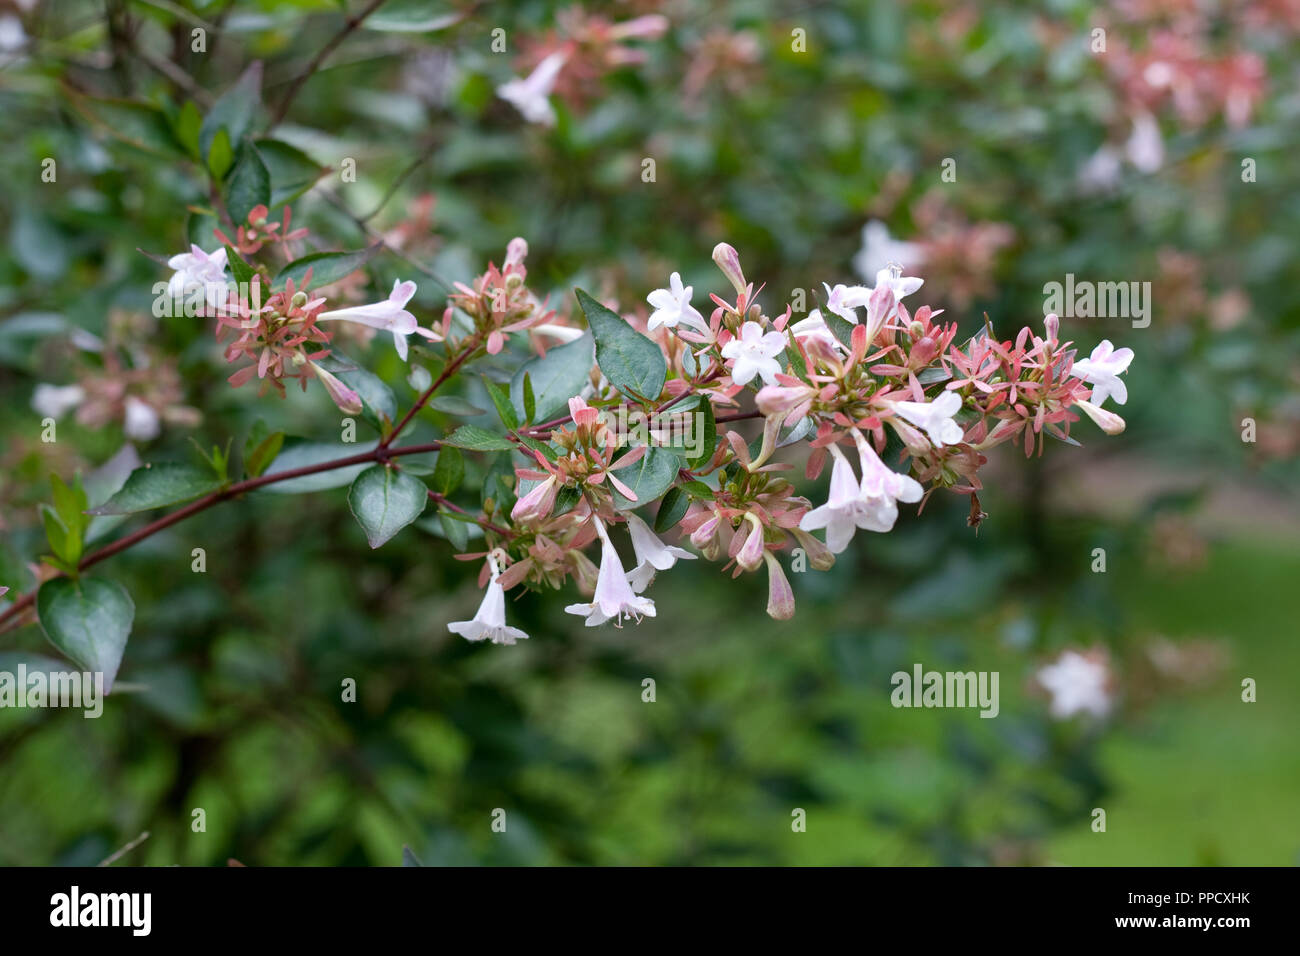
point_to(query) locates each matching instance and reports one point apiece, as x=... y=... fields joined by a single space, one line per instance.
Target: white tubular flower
x=490 y=621
x=934 y=418
x=390 y=315
x=871 y=504
x=1102 y=370
x=531 y=95
x=755 y=354
x=614 y=598
x=673 y=306
x=197 y=269
x=651 y=554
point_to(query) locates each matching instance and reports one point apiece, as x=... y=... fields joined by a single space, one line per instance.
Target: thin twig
x=109 y=861
x=377 y=454
x=349 y=25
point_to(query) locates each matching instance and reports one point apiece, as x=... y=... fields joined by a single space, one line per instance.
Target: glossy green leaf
x=89 y=621
x=157 y=486
x=385 y=500
x=631 y=362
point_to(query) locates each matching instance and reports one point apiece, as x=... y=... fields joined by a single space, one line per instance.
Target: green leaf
x=242 y=272
x=632 y=363
x=326 y=267
x=556 y=378
x=89 y=621
x=474 y=438
x=707 y=425
x=186 y=128
x=530 y=400
x=232 y=113
x=841 y=328
x=698 y=489
x=70 y=503
x=292 y=171
x=413 y=16
x=501 y=400
x=261 y=448
x=63 y=542
x=221 y=155
x=672 y=509
x=455 y=405
x=384 y=501
x=157 y=486
x=456 y=531
x=450 y=470
x=648 y=478
x=249 y=185
x=298 y=453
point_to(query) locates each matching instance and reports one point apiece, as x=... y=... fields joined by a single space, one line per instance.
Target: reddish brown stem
x=377 y=454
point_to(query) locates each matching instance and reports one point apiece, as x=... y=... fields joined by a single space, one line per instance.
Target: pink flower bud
x=1108 y=422
x=751 y=552
x=516 y=251
x=728 y=261
x=1053 y=325
x=780 y=596
x=785 y=401
x=820 y=557
x=537 y=503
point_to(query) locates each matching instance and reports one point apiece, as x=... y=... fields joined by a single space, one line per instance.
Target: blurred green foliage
x=235 y=676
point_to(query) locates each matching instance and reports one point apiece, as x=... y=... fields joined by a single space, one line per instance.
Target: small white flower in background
x=1078 y=684
x=651 y=554
x=197 y=269
x=141 y=423
x=879 y=250
x=55 y=401
x=871 y=504
x=934 y=418
x=614 y=598
x=12 y=36
x=389 y=315
x=531 y=95
x=1103 y=370
x=673 y=306
x=845 y=300
x=892 y=278
x=755 y=354
x=1102 y=171
x=1145 y=147
x=490 y=621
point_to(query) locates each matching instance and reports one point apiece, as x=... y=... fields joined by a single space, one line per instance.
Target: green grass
x=1209 y=779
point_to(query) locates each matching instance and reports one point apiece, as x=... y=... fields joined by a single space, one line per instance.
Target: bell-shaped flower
x=870 y=504
x=845 y=300
x=390 y=315
x=673 y=306
x=934 y=418
x=490 y=621
x=754 y=353
x=1102 y=370
x=891 y=277
x=614 y=598
x=651 y=554
x=538 y=502
x=531 y=95
x=197 y=269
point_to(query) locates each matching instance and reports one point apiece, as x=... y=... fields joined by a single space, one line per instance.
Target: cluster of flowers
x=841 y=380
